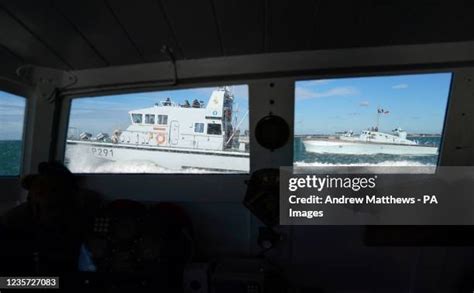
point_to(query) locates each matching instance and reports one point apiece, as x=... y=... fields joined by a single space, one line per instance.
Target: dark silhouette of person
x=167 y=102
x=45 y=233
x=186 y=104
x=196 y=104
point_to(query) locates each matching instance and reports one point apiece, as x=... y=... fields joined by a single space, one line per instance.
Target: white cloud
x=364 y=103
x=400 y=86
x=316 y=82
x=305 y=94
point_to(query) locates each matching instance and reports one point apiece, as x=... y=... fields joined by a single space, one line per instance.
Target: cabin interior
x=55 y=51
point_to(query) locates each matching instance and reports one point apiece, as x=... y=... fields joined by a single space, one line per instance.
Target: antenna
x=233 y=133
x=236 y=111
x=378 y=118
x=380 y=111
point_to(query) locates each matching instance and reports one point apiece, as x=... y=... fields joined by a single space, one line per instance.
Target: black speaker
x=272 y=132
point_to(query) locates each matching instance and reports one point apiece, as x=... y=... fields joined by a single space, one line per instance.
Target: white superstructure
x=173 y=136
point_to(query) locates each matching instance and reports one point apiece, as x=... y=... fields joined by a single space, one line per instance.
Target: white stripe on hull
x=167 y=158
x=354 y=148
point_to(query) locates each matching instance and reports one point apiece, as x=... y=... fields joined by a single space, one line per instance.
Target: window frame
x=159 y=121
x=260 y=87
x=148 y=116
x=451 y=71
x=202 y=127
x=68 y=98
x=133 y=118
x=214 y=124
x=270 y=79
x=25 y=94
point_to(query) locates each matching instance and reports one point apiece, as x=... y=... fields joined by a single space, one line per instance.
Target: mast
x=378 y=119
x=235 y=129
x=228 y=109
x=380 y=111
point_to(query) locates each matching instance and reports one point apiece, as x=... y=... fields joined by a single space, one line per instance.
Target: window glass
x=370 y=121
x=171 y=144
x=199 y=127
x=12 y=114
x=163 y=119
x=150 y=119
x=137 y=118
x=214 y=129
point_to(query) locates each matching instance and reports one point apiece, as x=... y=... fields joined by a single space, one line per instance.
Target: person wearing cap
x=44 y=234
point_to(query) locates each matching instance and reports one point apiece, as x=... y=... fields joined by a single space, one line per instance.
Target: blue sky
x=416 y=103
x=12 y=113
x=106 y=113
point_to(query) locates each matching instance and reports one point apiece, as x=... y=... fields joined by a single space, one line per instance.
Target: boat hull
x=173 y=159
x=360 y=148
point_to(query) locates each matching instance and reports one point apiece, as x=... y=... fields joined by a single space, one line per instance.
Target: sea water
x=10 y=157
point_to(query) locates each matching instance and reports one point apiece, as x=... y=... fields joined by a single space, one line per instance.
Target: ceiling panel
x=394 y=23
x=290 y=24
x=96 y=22
x=375 y=23
x=147 y=27
x=241 y=24
x=422 y=21
x=47 y=24
x=23 y=43
x=338 y=24
x=83 y=34
x=9 y=63
x=194 y=25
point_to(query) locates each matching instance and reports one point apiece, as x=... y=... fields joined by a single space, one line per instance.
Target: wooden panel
x=20 y=41
x=241 y=24
x=96 y=22
x=48 y=25
x=290 y=24
x=146 y=26
x=195 y=27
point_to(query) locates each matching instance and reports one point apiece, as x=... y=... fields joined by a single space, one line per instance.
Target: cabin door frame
x=174 y=132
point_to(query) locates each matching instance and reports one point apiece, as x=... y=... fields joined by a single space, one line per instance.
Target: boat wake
x=79 y=160
x=388 y=163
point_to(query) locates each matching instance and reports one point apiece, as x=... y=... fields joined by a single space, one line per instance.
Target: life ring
x=160 y=138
